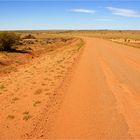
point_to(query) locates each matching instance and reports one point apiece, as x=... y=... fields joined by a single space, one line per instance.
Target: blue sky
x=69 y=14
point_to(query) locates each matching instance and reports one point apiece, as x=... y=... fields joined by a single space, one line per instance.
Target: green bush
x=8 y=40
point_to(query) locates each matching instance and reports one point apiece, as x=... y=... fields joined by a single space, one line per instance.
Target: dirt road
x=57 y=96
x=103 y=99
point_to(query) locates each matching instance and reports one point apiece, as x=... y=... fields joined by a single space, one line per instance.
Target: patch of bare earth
x=28 y=91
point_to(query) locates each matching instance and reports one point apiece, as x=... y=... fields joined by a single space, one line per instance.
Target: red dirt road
x=64 y=95
x=103 y=99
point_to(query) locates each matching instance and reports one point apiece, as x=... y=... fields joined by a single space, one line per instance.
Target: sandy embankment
x=27 y=93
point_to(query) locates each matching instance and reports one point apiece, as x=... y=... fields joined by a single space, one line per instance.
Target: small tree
x=8 y=40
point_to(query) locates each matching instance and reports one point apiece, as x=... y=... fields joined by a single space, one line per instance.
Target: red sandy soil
x=27 y=93
x=93 y=97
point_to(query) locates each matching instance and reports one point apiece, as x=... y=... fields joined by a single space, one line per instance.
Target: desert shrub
x=29 y=36
x=26 y=42
x=56 y=40
x=8 y=41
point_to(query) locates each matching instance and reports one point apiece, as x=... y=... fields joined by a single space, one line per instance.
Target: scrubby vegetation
x=127 y=37
x=17 y=48
x=8 y=41
x=29 y=36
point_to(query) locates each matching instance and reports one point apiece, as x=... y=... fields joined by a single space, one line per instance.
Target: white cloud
x=123 y=12
x=83 y=10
